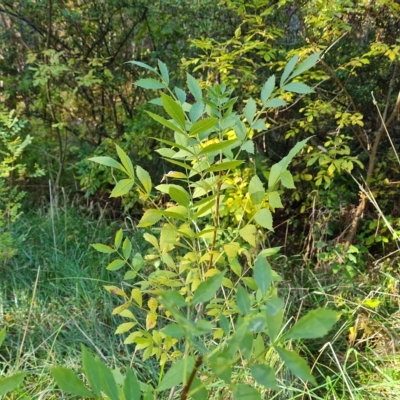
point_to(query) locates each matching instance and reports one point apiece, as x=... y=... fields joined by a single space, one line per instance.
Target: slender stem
x=186 y=388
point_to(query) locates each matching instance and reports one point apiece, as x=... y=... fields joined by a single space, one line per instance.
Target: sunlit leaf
x=102 y=248
x=202 y=125
x=274 y=199
x=267 y=89
x=149 y=218
x=144 y=179
x=174 y=110
x=122 y=187
x=194 y=87
x=288 y=69
x=115 y=265
x=250 y=110
x=298 y=87
x=108 y=162
x=248 y=233
x=256 y=190
x=263 y=217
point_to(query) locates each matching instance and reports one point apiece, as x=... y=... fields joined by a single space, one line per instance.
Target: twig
x=186 y=388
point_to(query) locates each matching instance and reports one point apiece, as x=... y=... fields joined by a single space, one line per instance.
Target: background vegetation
x=68 y=93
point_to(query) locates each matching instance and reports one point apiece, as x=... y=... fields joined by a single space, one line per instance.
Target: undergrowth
x=71 y=308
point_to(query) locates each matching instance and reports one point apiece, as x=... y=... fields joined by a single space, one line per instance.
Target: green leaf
x=306 y=64
x=196 y=111
x=259 y=125
x=275 y=103
x=108 y=162
x=214 y=147
x=194 y=87
x=179 y=146
x=149 y=83
x=165 y=122
x=288 y=69
x=175 y=375
x=143 y=65
x=127 y=248
x=248 y=233
x=257 y=323
x=263 y=217
x=298 y=87
x=144 y=179
x=240 y=131
x=68 y=382
x=246 y=392
x=243 y=300
x=174 y=110
x=316 y=323
x=91 y=367
x=149 y=218
x=10 y=383
x=199 y=389
x=180 y=94
x=267 y=89
x=246 y=345
x=202 y=125
x=173 y=330
x=115 y=265
x=2 y=335
x=107 y=381
x=207 y=289
x=224 y=324
x=264 y=375
x=103 y=248
x=278 y=168
x=250 y=110
x=274 y=324
x=274 y=200
x=224 y=166
x=248 y=146
x=274 y=306
x=262 y=274
x=287 y=180
x=118 y=239
x=122 y=187
x=179 y=194
x=164 y=71
x=126 y=162
x=297 y=365
x=256 y=191
x=131 y=387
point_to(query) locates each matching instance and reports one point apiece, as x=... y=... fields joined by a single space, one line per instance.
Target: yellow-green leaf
x=122 y=187
x=144 y=179
x=263 y=217
x=248 y=233
x=125 y=327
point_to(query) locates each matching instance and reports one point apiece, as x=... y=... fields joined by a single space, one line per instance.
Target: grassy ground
x=52 y=301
